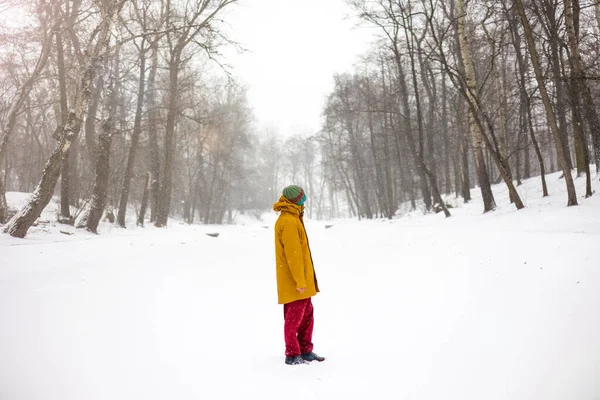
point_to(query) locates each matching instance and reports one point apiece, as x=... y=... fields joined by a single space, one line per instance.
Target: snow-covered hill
x=504 y=305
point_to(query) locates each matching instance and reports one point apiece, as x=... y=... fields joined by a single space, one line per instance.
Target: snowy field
x=476 y=307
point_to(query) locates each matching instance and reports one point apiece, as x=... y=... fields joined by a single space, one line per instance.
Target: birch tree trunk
x=489 y=203
x=463 y=152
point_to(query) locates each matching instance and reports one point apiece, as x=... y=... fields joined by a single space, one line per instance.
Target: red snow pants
x=298 y=327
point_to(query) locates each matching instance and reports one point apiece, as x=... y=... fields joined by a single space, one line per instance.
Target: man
x=296 y=279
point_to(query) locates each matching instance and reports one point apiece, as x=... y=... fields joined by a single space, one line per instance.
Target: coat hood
x=284 y=205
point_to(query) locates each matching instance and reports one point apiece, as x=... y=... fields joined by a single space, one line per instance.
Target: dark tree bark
x=391 y=201
x=525 y=99
x=572 y=196
x=153 y=116
x=379 y=174
x=90 y=120
x=431 y=91
x=135 y=138
x=580 y=85
x=3 y=202
x=164 y=201
x=65 y=210
x=407 y=118
x=100 y=190
x=446 y=136
x=552 y=29
x=144 y=205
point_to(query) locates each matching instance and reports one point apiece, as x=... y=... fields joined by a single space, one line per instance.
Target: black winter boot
x=312 y=357
x=296 y=360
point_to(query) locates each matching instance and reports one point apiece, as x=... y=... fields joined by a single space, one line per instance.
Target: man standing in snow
x=296 y=279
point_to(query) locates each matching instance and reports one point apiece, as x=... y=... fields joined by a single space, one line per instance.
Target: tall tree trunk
x=144 y=205
x=135 y=138
x=580 y=85
x=581 y=149
x=65 y=186
x=408 y=123
x=521 y=144
x=489 y=203
x=431 y=91
x=380 y=185
x=463 y=148
x=3 y=202
x=164 y=202
x=525 y=101
x=581 y=153
x=22 y=221
x=501 y=146
x=572 y=195
x=153 y=133
x=446 y=135
x=389 y=179
x=397 y=146
x=100 y=191
x=360 y=180
x=560 y=106
x=90 y=120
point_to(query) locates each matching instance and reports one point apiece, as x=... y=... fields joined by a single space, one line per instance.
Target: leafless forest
x=127 y=110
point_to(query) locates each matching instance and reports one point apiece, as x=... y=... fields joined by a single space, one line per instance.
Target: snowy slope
x=497 y=306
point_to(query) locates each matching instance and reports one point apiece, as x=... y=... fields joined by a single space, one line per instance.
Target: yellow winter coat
x=293 y=259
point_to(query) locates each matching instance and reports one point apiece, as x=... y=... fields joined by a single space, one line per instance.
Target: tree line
x=114 y=107
x=462 y=93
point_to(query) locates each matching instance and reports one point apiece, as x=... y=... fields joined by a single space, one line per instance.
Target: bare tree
x=142 y=17
x=48 y=22
x=97 y=47
x=477 y=133
x=197 y=17
x=100 y=191
x=572 y=196
x=526 y=123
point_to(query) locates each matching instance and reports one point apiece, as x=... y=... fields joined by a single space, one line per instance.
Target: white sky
x=295 y=47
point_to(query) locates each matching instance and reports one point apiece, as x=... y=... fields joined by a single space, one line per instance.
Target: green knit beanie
x=295 y=194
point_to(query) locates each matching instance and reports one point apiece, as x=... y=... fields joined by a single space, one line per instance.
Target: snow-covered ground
x=498 y=306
